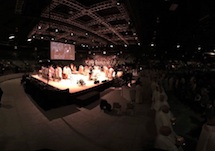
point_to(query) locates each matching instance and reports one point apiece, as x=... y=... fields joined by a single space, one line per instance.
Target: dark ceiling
x=165 y=23
x=168 y=22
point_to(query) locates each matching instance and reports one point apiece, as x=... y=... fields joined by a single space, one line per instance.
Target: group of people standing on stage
x=66 y=72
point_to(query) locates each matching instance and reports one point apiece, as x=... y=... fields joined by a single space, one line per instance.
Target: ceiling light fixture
x=199 y=48
x=152 y=44
x=173 y=7
x=11 y=37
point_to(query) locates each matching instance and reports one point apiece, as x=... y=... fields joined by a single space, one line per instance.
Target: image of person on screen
x=57 y=54
x=67 y=52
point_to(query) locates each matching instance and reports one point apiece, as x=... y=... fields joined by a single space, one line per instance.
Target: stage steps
x=87 y=98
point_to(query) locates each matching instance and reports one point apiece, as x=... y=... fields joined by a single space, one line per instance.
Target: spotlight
x=199 y=48
x=29 y=39
x=12 y=37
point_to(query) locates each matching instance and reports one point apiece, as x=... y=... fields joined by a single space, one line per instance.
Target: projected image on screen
x=62 y=51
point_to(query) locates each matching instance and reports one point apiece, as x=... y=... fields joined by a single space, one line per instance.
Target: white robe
x=58 y=72
x=206 y=140
x=156 y=103
x=163 y=119
x=166 y=143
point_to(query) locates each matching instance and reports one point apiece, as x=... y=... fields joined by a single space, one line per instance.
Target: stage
x=72 y=84
x=52 y=94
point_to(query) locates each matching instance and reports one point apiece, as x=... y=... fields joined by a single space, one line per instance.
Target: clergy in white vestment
x=51 y=72
x=164 y=117
x=160 y=101
x=67 y=72
x=58 y=72
x=110 y=72
x=105 y=70
x=166 y=140
x=206 y=140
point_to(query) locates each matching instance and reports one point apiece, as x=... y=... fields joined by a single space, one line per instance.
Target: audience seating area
x=17 y=66
x=194 y=90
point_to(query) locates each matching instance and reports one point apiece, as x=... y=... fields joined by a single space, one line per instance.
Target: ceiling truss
x=98 y=24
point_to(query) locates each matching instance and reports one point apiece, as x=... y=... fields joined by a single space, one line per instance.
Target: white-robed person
x=67 y=72
x=166 y=140
x=164 y=117
x=51 y=72
x=110 y=73
x=58 y=72
x=159 y=98
x=206 y=140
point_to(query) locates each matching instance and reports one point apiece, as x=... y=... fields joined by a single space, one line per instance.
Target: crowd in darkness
x=194 y=88
x=16 y=66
